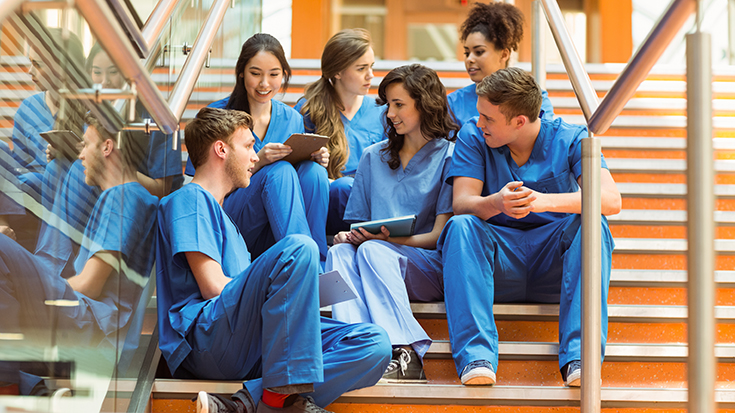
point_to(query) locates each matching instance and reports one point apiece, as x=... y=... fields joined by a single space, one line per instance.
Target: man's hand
x=341 y=238
x=360 y=235
x=321 y=157
x=515 y=200
x=272 y=152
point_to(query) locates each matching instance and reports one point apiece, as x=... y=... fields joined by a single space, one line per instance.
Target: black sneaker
x=478 y=373
x=404 y=367
x=300 y=405
x=571 y=373
x=214 y=403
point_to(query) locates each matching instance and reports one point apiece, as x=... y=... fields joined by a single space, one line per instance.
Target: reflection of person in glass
x=113 y=263
x=23 y=169
x=37 y=113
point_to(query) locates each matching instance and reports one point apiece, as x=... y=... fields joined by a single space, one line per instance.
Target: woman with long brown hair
x=337 y=106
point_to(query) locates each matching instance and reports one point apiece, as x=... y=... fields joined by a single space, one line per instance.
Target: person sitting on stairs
x=222 y=317
x=516 y=234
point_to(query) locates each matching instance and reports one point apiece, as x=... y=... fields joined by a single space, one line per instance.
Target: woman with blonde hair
x=337 y=106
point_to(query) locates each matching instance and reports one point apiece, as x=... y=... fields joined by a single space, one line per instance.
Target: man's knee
x=462 y=227
x=299 y=245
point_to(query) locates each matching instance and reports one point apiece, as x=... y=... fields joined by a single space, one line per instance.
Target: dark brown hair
x=211 y=125
x=500 y=23
x=259 y=42
x=429 y=96
x=514 y=91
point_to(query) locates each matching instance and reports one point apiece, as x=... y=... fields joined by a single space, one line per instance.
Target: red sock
x=274 y=399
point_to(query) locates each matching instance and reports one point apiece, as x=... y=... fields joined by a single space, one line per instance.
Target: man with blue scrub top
x=114 y=260
x=516 y=235
x=222 y=317
x=274 y=206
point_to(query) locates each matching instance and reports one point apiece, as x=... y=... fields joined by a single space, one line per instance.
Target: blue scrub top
x=553 y=167
x=420 y=188
x=31 y=118
x=190 y=220
x=285 y=121
x=123 y=220
x=366 y=128
x=463 y=103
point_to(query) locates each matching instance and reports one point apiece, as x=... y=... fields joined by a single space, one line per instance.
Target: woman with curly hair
x=387 y=272
x=489 y=34
x=337 y=106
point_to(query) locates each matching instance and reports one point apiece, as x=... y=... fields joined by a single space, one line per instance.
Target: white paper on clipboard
x=334 y=289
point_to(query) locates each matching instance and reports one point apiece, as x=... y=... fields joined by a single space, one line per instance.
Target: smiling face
x=242 y=158
x=262 y=77
x=105 y=73
x=482 y=58
x=356 y=78
x=402 y=111
x=496 y=129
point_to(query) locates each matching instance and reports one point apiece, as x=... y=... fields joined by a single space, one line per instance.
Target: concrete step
x=455 y=394
x=664 y=217
x=546 y=312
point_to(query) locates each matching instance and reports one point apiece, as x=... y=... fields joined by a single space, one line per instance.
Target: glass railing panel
x=77 y=254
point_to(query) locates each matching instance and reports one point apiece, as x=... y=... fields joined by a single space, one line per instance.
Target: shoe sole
x=480 y=381
x=202 y=402
x=406 y=381
x=574 y=379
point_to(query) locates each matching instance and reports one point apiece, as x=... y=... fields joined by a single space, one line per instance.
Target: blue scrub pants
x=266 y=323
x=386 y=278
x=339 y=194
x=275 y=205
x=25 y=284
x=486 y=263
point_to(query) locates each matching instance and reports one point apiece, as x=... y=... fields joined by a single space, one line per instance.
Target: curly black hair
x=430 y=98
x=500 y=23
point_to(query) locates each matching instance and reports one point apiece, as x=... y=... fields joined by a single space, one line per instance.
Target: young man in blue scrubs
x=516 y=235
x=222 y=317
x=112 y=267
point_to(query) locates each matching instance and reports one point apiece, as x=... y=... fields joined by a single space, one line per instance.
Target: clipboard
x=303 y=145
x=398 y=227
x=65 y=142
x=334 y=289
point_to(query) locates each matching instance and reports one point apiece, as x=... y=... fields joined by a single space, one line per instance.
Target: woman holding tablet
x=282 y=199
x=336 y=106
x=489 y=34
x=388 y=272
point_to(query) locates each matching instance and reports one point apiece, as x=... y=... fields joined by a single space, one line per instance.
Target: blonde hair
x=323 y=104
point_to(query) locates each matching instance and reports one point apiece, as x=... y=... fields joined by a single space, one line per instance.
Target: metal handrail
x=184 y=85
x=109 y=33
x=7 y=7
x=153 y=28
x=572 y=62
x=640 y=64
x=130 y=26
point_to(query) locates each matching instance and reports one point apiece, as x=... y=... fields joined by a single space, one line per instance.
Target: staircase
x=645 y=366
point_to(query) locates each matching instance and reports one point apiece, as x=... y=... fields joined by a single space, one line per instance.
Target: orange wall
x=309 y=28
x=616 y=30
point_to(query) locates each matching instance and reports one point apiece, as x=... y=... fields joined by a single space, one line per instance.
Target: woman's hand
x=340 y=238
x=51 y=153
x=360 y=235
x=321 y=157
x=272 y=152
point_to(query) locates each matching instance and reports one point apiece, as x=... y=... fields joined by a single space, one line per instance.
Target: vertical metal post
x=700 y=228
x=538 y=44
x=591 y=275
